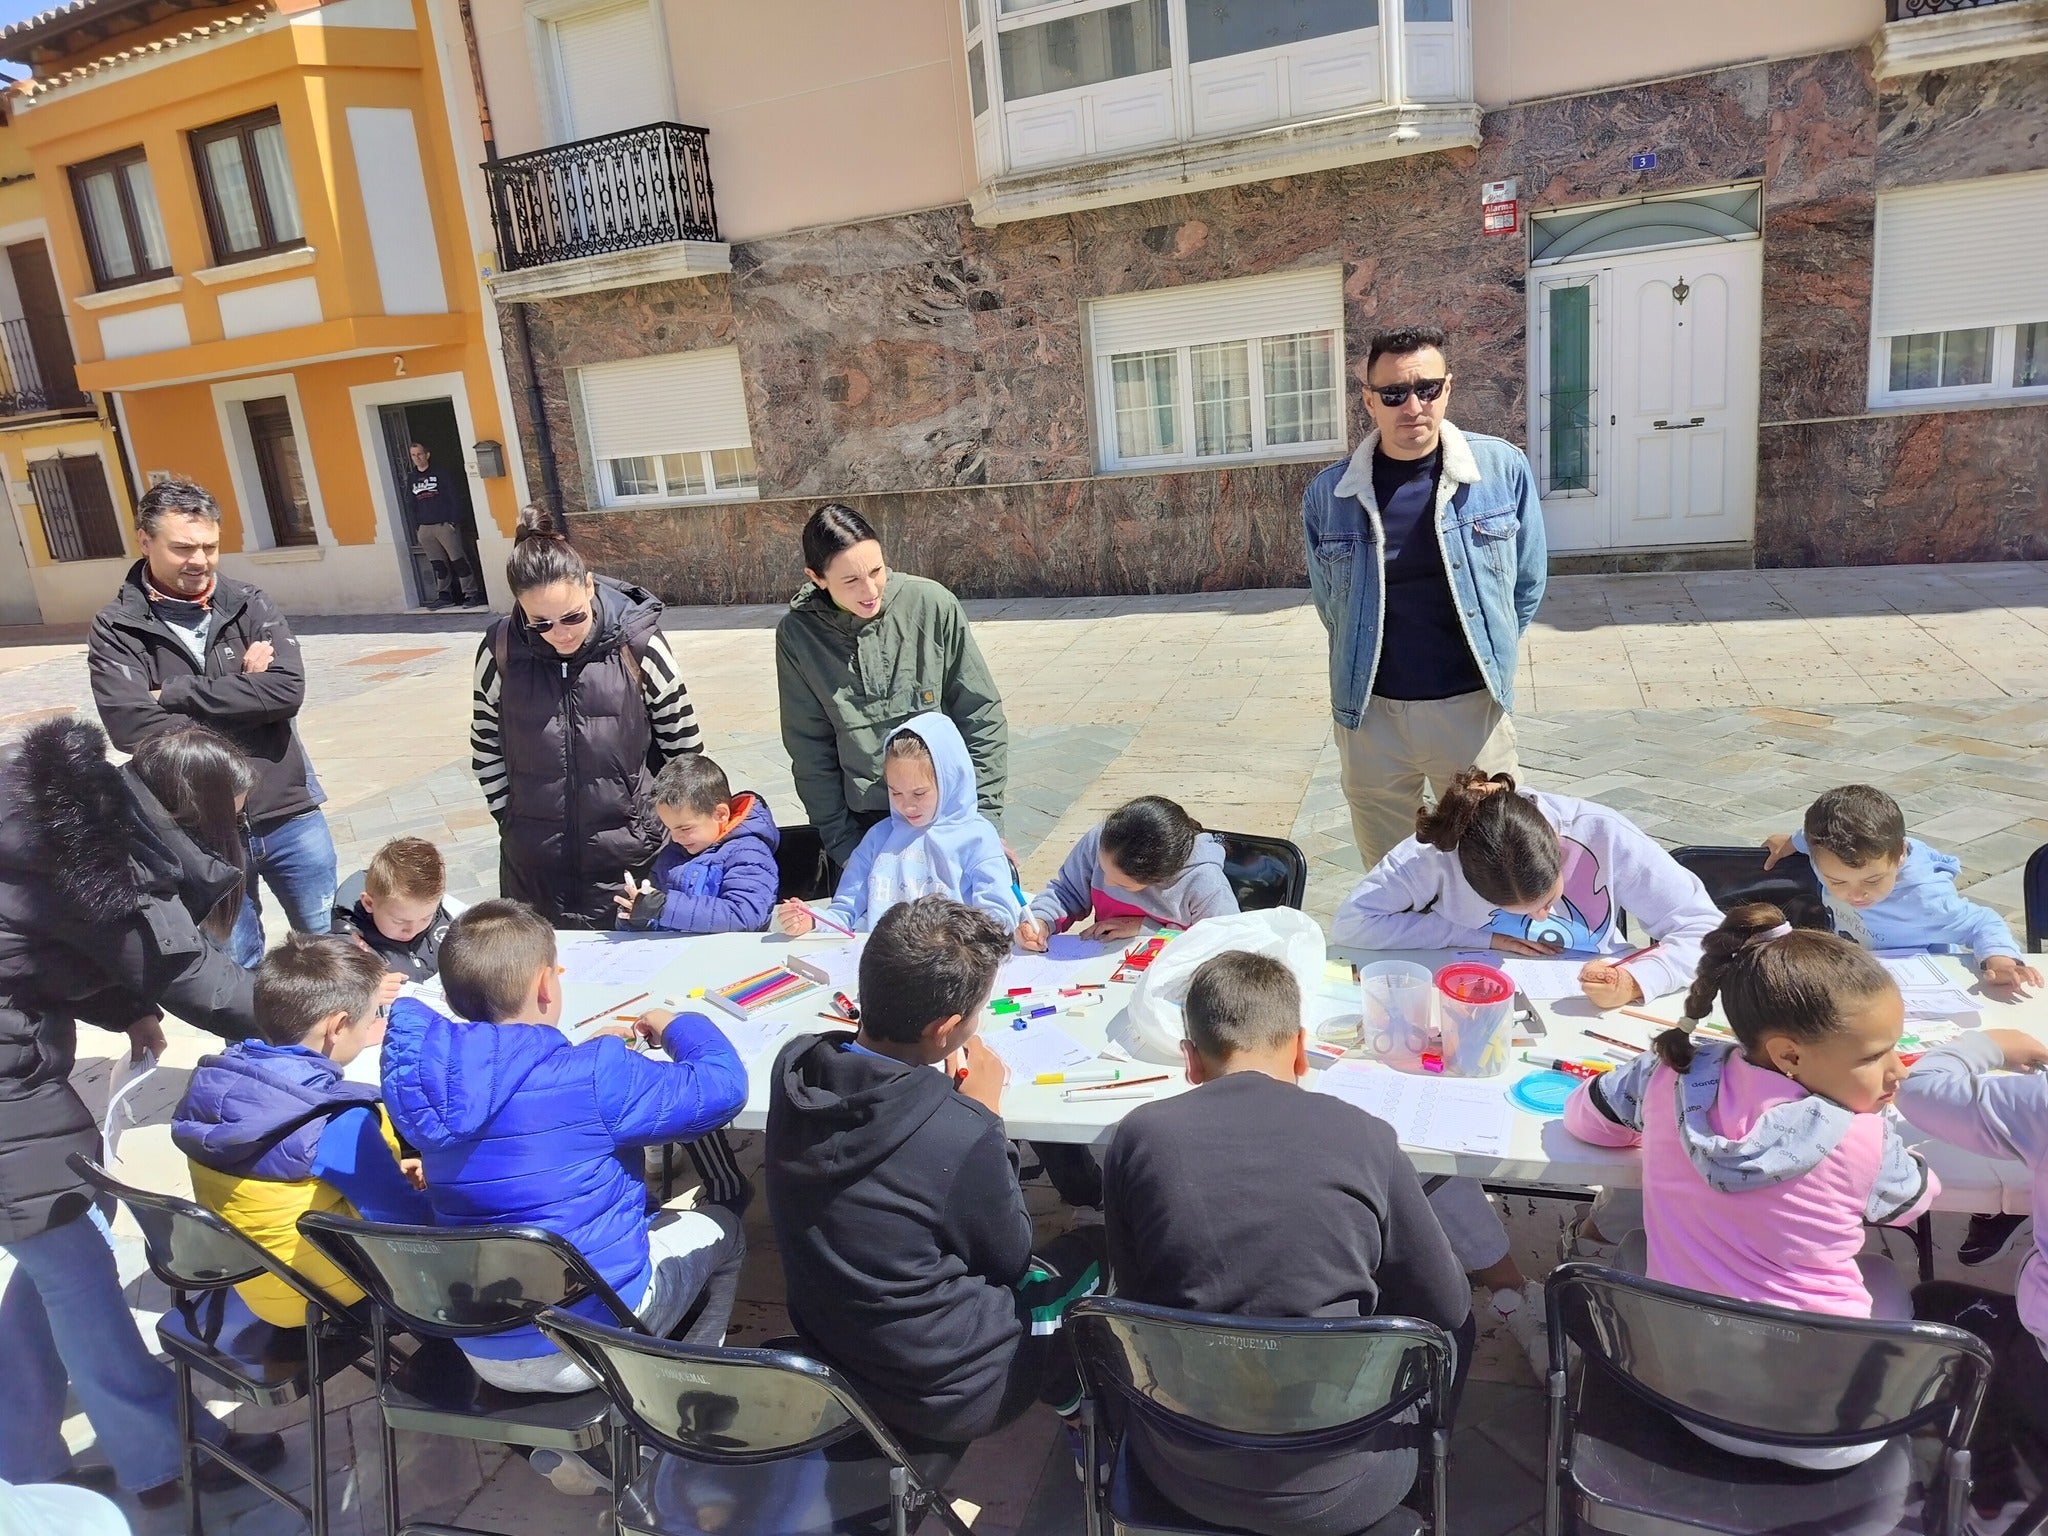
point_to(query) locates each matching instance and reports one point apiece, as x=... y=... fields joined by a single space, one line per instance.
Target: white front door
x=1645 y=419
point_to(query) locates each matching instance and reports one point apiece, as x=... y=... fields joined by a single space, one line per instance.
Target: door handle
x=1681 y=426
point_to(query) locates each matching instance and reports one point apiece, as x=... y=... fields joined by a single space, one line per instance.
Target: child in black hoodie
x=399 y=917
x=905 y=1241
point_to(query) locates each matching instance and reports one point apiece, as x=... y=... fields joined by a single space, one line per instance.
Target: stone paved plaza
x=1710 y=707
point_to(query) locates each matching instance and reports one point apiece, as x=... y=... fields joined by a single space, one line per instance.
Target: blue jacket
x=1926 y=911
x=1491 y=527
x=260 y=1110
x=515 y=1125
x=729 y=887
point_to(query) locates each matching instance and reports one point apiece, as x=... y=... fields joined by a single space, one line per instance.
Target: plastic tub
x=1396 y=1013
x=1477 y=1004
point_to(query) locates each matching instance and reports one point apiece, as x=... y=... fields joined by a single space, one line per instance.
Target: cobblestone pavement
x=1711 y=708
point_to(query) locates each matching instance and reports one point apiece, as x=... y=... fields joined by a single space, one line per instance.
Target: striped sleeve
x=486 y=750
x=668 y=701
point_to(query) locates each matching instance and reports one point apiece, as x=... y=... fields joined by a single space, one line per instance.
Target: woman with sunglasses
x=578 y=703
x=119 y=888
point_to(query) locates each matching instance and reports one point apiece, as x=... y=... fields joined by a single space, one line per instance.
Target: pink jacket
x=1753 y=1188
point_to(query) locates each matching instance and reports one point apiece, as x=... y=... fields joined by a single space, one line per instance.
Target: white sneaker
x=1977 y=1523
x=1522 y=1312
x=1572 y=1243
x=570 y=1474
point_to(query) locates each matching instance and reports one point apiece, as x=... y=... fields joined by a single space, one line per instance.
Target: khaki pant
x=450 y=557
x=1399 y=745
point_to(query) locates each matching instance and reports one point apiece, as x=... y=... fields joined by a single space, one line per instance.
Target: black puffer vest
x=579 y=811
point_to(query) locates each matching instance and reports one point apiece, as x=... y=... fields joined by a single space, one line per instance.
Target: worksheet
x=1443 y=1114
x=1930 y=992
x=600 y=960
x=1068 y=959
x=1540 y=980
x=1031 y=1046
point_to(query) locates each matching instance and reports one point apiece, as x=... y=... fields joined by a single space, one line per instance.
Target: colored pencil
x=1650 y=1018
x=1626 y=1045
x=608 y=1008
x=819 y=917
x=1129 y=1082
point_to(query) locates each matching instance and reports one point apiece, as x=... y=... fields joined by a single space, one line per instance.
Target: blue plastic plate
x=1543 y=1093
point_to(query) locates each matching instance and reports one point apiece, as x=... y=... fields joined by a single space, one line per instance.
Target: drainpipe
x=522 y=331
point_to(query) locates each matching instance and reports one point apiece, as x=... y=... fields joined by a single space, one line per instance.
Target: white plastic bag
x=57 y=1509
x=1154 y=1025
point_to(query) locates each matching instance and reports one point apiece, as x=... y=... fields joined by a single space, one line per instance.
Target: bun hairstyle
x=830 y=532
x=1150 y=838
x=1772 y=979
x=1506 y=851
x=542 y=555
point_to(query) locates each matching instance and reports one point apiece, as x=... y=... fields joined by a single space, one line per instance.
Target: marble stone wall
x=934 y=372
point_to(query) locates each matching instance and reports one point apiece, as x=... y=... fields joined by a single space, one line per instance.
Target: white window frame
x=550 y=90
x=608 y=498
x=2004 y=362
x=1185 y=408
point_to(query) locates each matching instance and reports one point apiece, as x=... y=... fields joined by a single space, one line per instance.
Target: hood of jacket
x=445 y=1079
x=1780 y=1134
x=958 y=836
x=133 y=606
x=852 y=1109
x=259 y=1109
x=625 y=612
x=94 y=833
x=1924 y=866
x=754 y=822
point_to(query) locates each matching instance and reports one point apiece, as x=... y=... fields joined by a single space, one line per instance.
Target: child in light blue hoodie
x=935 y=842
x=1898 y=891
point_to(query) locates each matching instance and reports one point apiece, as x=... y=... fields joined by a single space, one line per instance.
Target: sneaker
x=1572 y=1243
x=1987 y=1238
x=259 y=1453
x=570 y=1473
x=1522 y=1313
x=1077 y=1444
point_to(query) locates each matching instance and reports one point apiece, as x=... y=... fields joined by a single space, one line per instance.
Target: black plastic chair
x=1270 y=1386
x=1265 y=872
x=452 y=1283
x=1734 y=876
x=211 y=1330
x=803 y=873
x=2034 y=889
x=781 y=1444
x=1655 y=1358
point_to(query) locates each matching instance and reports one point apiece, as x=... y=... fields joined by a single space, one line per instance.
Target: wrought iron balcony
x=1911 y=10
x=28 y=386
x=620 y=192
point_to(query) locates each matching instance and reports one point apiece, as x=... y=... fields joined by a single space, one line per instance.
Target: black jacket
x=101 y=894
x=902 y=1230
x=579 y=758
x=416 y=959
x=131 y=651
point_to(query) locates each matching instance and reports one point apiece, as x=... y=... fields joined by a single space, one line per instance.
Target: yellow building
x=260 y=233
x=62 y=475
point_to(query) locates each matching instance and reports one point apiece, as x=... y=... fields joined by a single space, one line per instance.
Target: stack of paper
x=1442 y=1114
x=1930 y=992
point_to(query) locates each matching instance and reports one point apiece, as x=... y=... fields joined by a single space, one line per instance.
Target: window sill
x=257 y=266
x=132 y=293
x=1927 y=43
x=286 y=554
x=1374 y=133
x=1956 y=400
x=679 y=504
x=1324 y=456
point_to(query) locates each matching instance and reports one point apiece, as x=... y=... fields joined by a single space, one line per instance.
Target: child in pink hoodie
x=1764 y=1161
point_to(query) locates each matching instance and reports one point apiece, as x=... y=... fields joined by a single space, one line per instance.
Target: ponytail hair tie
x=1758 y=940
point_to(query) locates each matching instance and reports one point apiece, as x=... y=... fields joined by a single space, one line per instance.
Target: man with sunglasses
x=1427 y=559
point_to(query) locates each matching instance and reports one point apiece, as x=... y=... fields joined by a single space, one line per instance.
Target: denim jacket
x=1491 y=527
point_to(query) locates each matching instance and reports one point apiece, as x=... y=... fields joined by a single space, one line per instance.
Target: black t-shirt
x=431 y=502
x=1423 y=650
x=1253 y=1197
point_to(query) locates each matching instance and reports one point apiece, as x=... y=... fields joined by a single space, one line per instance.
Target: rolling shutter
x=1308 y=300
x=677 y=403
x=1968 y=254
x=614 y=70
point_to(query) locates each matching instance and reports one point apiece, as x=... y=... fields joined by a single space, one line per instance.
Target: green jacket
x=846 y=683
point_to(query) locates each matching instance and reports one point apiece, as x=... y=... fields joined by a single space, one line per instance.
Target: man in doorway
x=1427 y=559
x=437 y=514
x=181 y=644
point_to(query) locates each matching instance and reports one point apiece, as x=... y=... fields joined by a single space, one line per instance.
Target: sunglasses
x=570 y=620
x=1394 y=396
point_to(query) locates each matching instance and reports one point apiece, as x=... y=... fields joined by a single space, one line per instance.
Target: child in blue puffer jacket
x=716 y=873
x=514 y=1125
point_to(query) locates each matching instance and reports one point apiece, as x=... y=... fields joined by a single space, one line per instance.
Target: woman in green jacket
x=861 y=650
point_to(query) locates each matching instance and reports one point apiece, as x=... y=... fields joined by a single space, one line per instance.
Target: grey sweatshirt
x=1198 y=890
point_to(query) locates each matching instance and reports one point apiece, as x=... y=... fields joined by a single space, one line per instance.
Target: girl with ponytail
x=1526 y=873
x=1765 y=1159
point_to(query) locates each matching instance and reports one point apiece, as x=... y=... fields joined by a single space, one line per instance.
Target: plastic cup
x=1478 y=1007
x=1396 y=1012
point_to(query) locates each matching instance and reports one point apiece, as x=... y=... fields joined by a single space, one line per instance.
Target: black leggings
x=2016 y=1407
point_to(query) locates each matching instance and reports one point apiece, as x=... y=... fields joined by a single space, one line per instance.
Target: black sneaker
x=1987 y=1237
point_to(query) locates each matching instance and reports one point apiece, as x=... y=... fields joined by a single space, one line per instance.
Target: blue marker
x=1040 y=1013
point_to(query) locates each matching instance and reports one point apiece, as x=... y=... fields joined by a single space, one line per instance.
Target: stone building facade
x=932 y=371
